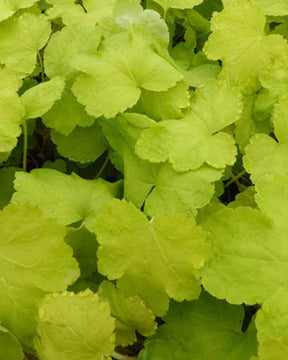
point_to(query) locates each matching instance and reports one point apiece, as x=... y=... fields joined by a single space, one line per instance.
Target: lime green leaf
x=40 y=98
x=169 y=190
x=271 y=197
x=82 y=145
x=177 y=4
x=280 y=121
x=187 y=145
x=70 y=14
x=9 y=7
x=20 y=40
x=66 y=44
x=7 y=176
x=163 y=190
x=167 y=253
x=249 y=257
x=125 y=64
x=99 y=10
x=273 y=175
x=11 y=111
x=205 y=329
x=49 y=266
x=66 y=114
x=165 y=104
x=274 y=76
x=248 y=124
x=84 y=246
x=272 y=325
x=217 y=104
x=58 y=164
x=191 y=142
x=10 y=349
x=264 y=156
x=129 y=12
x=131 y=314
x=274 y=8
x=74 y=327
x=68 y=198
x=245 y=198
x=239 y=40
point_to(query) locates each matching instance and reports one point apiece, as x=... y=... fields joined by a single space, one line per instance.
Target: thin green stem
x=118 y=356
x=41 y=65
x=235 y=178
x=25 y=145
x=102 y=167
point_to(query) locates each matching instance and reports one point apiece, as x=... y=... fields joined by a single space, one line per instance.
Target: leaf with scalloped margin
x=11 y=111
x=25 y=279
x=9 y=7
x=40 y=98
x=126 y=63
x=83 y=144
x=68 y=198
x=272 y=325
x=168 y=252
x=239 y=40
x=205 y=329
x=197 y=138
x=20 y=40
x=163 y=190
x=74 y=327
x=131 y=314
x=249 y=256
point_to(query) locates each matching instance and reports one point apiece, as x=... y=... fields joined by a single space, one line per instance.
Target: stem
x=25 y=145
x=41 y=65
x=102 y=167
x=123 y=357
x=234 y=178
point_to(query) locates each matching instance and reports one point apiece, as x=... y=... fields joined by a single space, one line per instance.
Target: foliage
x=143 y=179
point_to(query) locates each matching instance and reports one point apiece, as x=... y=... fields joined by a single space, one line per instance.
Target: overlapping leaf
x=239 y=40
x=167 y=253
x=25 y=279
x=125 y=63
x=68 y=198
x=20 y=40
x=249 y=256
x=74 y=327
x=83 y=144
x=205 y=329
x=11 y=111
x=189 y=143
x=131 y=314
x=163 y=190
x=10 y=348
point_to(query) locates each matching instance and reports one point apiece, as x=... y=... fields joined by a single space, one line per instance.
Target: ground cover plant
x=143 y=180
